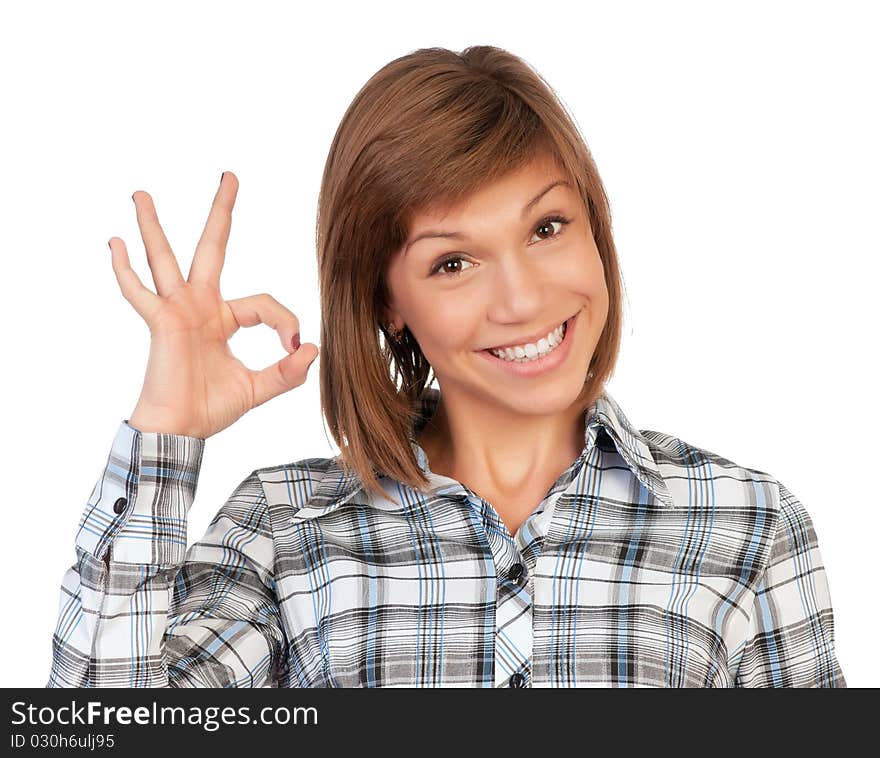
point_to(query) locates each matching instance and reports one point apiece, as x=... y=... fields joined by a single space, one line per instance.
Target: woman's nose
x=517 y=289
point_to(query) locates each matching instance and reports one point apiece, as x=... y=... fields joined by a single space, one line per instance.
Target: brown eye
x=440 y=266
x=547 y=224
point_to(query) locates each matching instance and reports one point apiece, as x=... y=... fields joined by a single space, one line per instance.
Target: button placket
x=513 y=612
x=513 y=636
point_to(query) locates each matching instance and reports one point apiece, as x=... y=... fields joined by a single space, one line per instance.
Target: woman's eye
x=439 y=267
x=545 y=223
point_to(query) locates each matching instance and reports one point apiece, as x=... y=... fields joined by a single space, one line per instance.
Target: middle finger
x=211 y=251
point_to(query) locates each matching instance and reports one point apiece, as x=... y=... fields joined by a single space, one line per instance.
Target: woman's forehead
x=523 y=192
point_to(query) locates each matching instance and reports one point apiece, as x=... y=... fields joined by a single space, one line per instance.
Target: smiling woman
x=515 y=377
x=473 y=150
x=513 y=530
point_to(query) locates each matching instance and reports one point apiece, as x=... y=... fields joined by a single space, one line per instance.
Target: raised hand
x=194 y=385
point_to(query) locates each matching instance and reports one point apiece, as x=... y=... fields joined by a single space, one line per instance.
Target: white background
x=737 y=142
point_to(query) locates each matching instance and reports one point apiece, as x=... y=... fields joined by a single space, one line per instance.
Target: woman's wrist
x=148 y=423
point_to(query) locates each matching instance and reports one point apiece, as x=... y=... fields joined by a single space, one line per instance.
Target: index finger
x=211 y=251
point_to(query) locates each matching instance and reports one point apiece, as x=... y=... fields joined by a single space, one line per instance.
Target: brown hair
x=427 y=130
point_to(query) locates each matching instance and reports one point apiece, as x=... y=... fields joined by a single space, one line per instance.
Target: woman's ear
x=387 y=309
x=391 y=317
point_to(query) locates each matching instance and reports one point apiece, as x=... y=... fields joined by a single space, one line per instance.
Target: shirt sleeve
x=791 y=633
x=137 y=609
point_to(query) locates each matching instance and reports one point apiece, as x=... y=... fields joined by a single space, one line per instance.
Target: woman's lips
x=543 y=364
x=534 y=341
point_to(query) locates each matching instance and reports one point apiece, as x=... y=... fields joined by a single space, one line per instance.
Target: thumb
x=282 y=376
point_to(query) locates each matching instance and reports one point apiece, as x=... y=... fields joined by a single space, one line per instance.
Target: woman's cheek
x=443 y=325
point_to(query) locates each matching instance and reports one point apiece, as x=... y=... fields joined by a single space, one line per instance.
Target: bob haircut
x=424 y=132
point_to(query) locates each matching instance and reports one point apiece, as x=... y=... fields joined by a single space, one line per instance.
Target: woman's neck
x=506 y=459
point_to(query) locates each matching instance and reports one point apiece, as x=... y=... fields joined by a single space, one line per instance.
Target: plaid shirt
x=649 y=563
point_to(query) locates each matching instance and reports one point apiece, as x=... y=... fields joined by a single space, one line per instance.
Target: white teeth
x=530 y=351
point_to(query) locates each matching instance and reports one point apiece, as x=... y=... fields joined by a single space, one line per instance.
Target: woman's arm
x=139 y=610
x=791 y=633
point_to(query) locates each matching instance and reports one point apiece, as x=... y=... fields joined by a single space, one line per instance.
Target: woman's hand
x=194 y=385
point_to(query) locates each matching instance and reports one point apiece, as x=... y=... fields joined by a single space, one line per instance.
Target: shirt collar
x=632 y=445
x=339 y=485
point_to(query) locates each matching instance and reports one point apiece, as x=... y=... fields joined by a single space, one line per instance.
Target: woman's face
x=506 y=272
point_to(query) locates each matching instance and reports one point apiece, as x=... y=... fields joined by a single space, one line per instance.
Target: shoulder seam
x=777 y=512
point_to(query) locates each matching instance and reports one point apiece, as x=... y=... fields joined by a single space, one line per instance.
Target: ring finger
x=163 y=264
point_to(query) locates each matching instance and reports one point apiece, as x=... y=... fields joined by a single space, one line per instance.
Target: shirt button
x=515 y=572
x=119 y=505
x=517 y=680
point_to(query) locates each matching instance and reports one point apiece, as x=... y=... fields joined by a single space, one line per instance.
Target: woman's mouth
x=537 y=357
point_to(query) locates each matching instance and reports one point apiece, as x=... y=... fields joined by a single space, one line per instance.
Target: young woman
x=509 y=527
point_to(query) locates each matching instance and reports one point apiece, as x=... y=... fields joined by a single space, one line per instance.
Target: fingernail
x=295 y=341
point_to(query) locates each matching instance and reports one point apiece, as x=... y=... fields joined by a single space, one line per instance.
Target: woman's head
x=516 y=261
x=457 y=142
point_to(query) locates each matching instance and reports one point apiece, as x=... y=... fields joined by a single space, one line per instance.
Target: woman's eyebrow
x=461 y=235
